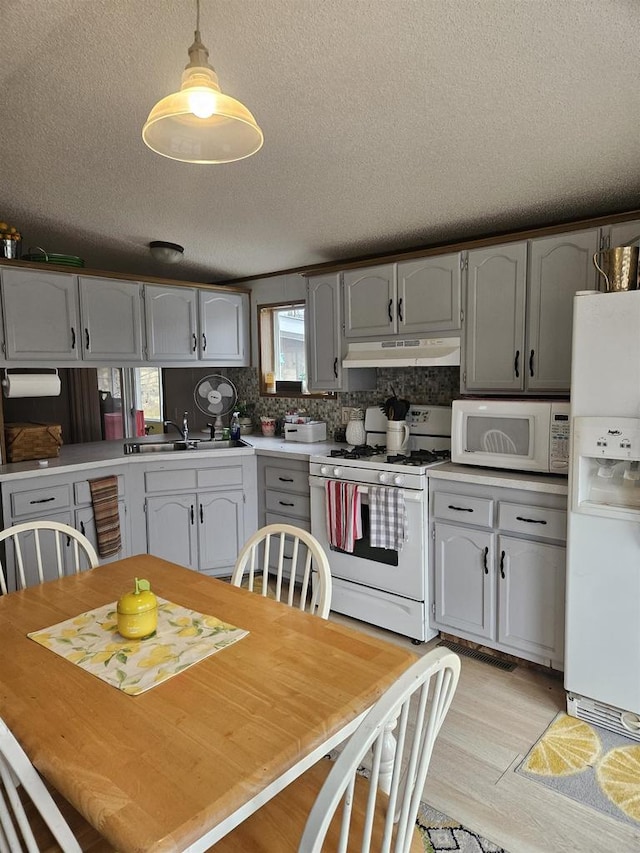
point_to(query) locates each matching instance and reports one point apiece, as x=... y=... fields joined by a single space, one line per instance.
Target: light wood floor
x=494 y=720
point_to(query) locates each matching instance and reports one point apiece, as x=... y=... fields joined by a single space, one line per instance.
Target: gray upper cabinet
x=41 y=315
x=224 y=328
x=558 y=267
x=429 y=294
x=323 y=333
x=111 y=312
x=171 y=318
x=370 y=302
x=519 y=315
x=494 y=338
x=324 y=362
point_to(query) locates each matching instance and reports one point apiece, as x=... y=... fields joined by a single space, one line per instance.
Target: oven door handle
x=409 y=495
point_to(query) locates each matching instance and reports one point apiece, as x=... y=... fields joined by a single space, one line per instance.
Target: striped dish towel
x=344 y=518
x=387 y=518
x=104 y=497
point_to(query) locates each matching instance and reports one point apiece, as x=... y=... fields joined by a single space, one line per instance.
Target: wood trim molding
x=446 y=248
x=145 y=279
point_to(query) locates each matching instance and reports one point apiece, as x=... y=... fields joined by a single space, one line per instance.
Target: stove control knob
x=337 y=472
x=398 y=480
x=324 y=470
x=383 y=478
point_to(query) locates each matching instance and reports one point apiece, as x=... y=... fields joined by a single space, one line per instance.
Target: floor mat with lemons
x=596 y=767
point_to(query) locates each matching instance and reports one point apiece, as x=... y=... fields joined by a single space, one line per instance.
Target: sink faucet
x=184 y=432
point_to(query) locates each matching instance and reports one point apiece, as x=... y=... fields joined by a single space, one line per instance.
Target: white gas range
x=381 y=586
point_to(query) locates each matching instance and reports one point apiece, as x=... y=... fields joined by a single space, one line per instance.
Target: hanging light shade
x=200 y=124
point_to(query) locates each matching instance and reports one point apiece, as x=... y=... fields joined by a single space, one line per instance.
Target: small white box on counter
x=314 y=431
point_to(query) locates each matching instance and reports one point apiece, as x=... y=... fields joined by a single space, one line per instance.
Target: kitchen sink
x=154 y=445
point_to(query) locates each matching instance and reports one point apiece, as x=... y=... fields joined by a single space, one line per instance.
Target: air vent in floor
x=463 y=651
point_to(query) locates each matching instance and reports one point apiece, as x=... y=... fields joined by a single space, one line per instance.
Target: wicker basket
x=32 y=441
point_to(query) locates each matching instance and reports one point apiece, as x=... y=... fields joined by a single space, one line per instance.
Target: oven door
x=400 y=572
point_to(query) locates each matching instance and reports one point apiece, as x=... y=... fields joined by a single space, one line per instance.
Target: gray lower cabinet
x=201 y=516
x=61 y=497
x=498 y=568
x=284 y=497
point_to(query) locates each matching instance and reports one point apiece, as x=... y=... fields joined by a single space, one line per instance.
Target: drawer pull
x=286 y=479
x=531 y=520
x=42 y=501
x=502 y=556
x=486 y=554
x=284 y=503
x=460 y=508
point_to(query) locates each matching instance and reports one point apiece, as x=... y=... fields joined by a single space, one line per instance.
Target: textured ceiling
x=388 y=124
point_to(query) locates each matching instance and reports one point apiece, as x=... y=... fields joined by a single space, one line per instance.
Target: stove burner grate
x=421 y=457
x=362 y=451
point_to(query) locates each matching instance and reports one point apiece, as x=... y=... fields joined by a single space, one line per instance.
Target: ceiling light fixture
x=168 y=253
x=199 y=124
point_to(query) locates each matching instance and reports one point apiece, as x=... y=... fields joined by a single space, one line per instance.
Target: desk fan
x=215 y=395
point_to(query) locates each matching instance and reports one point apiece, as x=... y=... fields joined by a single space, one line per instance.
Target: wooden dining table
x=179 y=766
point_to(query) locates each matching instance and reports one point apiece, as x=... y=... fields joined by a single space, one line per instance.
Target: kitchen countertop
x=98 y=454
x=552 y=484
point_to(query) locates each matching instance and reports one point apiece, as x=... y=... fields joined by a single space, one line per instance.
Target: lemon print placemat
x=183 y=637
x=596 y=767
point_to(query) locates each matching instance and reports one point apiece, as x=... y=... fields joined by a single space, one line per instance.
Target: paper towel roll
x=31 y=385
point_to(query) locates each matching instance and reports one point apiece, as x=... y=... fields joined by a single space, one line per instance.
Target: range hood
x=416 y=352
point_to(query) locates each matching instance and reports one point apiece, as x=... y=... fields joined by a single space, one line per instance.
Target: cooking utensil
x=395 y=408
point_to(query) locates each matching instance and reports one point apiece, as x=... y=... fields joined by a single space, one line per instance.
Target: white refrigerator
x=602 y=655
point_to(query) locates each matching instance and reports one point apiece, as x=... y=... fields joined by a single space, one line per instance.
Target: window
x=130 y=401
x=283 y=360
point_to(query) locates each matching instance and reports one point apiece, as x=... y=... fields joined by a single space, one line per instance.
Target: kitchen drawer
x=539 y=521
x=287 y=479
x=170 y=480
x=82 y=492
x=275 y=518
x=40 y=501
x=463 y=509
x=285 y=504
x=229 y=475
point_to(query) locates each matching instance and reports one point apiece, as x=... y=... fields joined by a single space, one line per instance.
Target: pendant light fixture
x=199 y=124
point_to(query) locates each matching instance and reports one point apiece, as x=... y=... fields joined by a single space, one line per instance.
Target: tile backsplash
x=436 y=386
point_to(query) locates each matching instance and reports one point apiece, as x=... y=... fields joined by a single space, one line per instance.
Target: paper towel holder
x=48 y=373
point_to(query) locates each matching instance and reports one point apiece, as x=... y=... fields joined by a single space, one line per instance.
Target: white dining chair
x=46 y=533
x=497 y=441
x=278 y=550
x=305 y=817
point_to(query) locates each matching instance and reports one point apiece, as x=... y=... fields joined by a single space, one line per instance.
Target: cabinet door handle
x=286 y=479
x=516 y=368
x=335 y=367
x=502 y=555
x=460 y=508
x=82 y=528
x=400 y=317
x=390 y=306
x=195 y=341
x=284 y=503
x=42 y=501
x=531 y=362
x=531 y=520
x=204 y=342
x=191 y=513
x=486 y=566
x=73 y=338
x=201 y=515
x=86 y=339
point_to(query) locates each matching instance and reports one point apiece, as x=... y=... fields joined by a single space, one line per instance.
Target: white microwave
x=525 y=435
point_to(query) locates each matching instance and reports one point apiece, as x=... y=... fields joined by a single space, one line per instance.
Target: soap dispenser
x=235 y=426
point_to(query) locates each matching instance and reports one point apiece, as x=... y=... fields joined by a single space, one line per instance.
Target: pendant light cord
x=197 y=16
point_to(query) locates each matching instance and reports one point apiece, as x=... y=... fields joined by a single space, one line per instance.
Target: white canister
x=355 y=432
x=397 y=436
